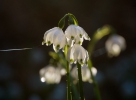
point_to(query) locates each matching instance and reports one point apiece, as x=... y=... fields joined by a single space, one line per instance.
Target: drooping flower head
x=56 y=37
x=76 y=33
x=115 y=44
x=77 y=53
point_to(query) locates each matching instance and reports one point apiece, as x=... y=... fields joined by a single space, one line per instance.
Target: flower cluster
x=51 y=74
x=72 y=38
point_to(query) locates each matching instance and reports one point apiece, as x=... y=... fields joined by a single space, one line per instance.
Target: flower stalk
x=80 y=82
x=69 y=94
x=61 y=23
x=76 y=95
x=100 y=33
x=72 y=19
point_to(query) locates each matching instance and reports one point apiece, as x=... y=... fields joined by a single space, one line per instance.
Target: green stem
x=75 y=93
x=100 y=33
x=74 y=18
x=69 y=96
x=73 y=87
x=61 y=23
x=80 y=82
x=68 y=83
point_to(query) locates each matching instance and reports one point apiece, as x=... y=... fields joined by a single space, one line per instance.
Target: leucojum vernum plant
x=74 y=54
x=70 y=41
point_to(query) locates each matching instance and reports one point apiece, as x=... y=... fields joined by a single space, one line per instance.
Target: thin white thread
x=15 y=49
x=20 y=49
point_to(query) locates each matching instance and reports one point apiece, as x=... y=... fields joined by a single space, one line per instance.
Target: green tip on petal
x=80 y=35
x=71 y=60
x=81 y=62
x=72 y=37
x=80 y=42
x=48 y=43
x=57 y=48
x=68 y=46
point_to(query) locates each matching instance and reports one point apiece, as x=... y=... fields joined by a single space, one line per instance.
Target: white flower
x=86 y=75
x=76 y=33
x=56 y=37
x=115 y=44
x=77 y=53
x=50 y=75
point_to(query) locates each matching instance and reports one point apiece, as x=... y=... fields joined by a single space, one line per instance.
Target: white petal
x=80 y=53
x=71 y=32
x=55 y=48
x=48 y=36
x=77 y=52
x=59 y=40
x=70 y=55
x=77 y=33
x=83 y=33
x=87 y=56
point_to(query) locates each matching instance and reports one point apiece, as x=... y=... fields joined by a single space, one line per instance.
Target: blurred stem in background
x=96 y=88
x=100 y=33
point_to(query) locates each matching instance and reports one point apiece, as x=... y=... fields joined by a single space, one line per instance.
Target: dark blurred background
x=23 y=23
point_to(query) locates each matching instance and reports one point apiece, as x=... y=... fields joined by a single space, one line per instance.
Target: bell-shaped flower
x=86 y=75
x=115 y=44
x=77 y=53
x=56 y=37
x=50 y=75
x=76 y=33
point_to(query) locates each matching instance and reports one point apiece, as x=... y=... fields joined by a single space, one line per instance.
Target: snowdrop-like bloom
x=86 y=75
x=115 y=44
x=76 y=33
x=50 y=75
x=77 y=53
x=56 y=37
